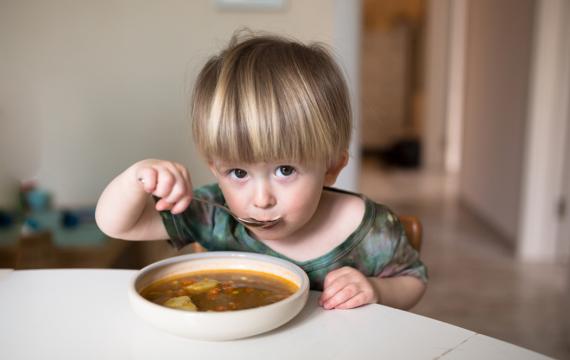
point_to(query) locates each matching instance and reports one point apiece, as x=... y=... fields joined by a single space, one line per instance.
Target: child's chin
x=276 y=232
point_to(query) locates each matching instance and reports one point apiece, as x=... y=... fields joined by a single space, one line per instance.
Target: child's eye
x=238 y=173
x=285 y=170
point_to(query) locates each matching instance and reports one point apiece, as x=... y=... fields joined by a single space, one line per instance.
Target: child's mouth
x=270 y=224
x=257 y=223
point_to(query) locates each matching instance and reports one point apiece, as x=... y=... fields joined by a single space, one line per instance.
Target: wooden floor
x=475 y=281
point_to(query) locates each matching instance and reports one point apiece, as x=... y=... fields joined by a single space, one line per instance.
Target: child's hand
x=167 y=180
x=347 y=288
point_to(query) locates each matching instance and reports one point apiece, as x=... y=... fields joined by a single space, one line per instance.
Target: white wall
x=89 y=87
x=346 y=42
x=456 y=85
x=543 y=234
x=437 y=83
x=498 y=56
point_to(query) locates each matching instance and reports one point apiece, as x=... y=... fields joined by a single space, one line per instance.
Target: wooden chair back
x=413 y=228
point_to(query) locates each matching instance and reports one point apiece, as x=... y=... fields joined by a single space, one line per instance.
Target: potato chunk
x=202 y=286
x=181 y=302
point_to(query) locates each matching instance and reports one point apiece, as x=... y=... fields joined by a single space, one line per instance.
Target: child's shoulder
x=361 y=207
x=346 y=205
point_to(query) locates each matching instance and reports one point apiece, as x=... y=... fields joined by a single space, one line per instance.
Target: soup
x=219 y=290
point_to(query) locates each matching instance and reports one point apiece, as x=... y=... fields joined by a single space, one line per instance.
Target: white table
x=4 y=272
x=85 y=314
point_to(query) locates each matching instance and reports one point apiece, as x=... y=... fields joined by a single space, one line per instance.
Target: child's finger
x=335 y=274
x=355 y=301
x=162 y=205
x=147 y=178
x=331 y=288
x=183 y=172
x=331 y=278
x=178 y=190
x=342 y=296
x=181 y=205
x=185 y=175
x=164 y=183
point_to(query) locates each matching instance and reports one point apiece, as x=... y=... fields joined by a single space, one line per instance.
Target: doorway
x=393 y=37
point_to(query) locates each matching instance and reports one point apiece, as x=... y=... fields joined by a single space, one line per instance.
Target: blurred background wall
x=89 y=87
x=498 y=66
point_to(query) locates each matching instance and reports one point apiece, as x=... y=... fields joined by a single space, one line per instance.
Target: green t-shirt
x=378 y=247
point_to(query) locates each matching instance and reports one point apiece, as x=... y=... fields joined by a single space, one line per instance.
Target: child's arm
x=126 y=210
x=347 y=288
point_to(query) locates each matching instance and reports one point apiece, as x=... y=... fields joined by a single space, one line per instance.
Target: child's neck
x=336 y=218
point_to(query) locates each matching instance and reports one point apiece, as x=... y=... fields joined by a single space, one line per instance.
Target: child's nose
x=263 y=197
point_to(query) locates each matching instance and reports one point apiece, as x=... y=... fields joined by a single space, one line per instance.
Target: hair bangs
x=253 y=124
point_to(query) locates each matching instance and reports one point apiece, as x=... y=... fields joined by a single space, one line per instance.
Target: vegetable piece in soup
x=219 y=290
x=181 y=302
x=202 y=286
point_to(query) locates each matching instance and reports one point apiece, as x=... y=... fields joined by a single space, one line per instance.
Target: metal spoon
x=246 y=221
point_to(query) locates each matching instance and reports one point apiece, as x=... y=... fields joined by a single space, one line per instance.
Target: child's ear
x=335 y=169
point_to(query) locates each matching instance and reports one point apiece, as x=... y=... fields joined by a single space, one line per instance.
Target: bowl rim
x=303 y=287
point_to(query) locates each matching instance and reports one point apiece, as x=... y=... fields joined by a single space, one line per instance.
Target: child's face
x=265 y=191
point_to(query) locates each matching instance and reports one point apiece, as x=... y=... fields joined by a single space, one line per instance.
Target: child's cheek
x=235 y=202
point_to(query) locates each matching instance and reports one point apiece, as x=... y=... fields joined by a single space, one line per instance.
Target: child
x=272 y=118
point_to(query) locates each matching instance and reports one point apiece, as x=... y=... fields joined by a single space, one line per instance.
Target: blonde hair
x=268 y=98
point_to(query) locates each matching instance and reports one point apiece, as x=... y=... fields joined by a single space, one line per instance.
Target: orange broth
x=219 y=290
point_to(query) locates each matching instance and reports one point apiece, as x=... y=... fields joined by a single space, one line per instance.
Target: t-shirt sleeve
x=196 y=223
x=404 y=259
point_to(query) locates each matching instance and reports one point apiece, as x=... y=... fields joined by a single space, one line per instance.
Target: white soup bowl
x=226 y=325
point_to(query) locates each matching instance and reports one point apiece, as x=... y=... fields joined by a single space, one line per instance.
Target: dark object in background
x=405 y=153
x=69 y=219
x=6 y=219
